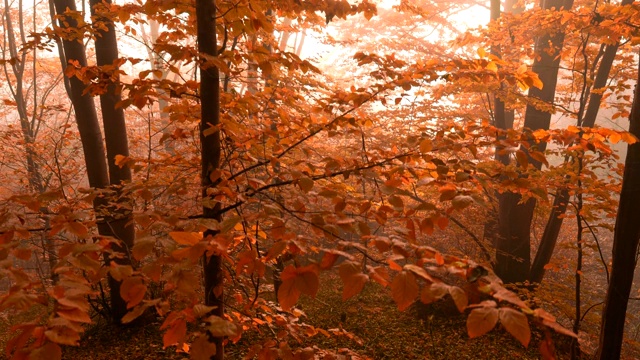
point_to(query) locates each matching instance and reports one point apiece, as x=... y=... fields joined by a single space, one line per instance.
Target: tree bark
x=513 y=250
x=210 y=143
x=625 y=246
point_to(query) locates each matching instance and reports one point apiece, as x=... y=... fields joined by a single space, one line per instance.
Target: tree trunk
x=115 y=134
x=625 y=246
x=210 y=143
x=87 y=121
x=554 y=223
x=513 y=250
x=550 y=235
x=84 y=108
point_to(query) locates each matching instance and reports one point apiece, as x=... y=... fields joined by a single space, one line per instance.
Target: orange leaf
x=143 y=247
x=78 y=229
x=305 y=184
x=559 y=328
x=185 y=238
x=75 y=314
x=516 y=324
x=220 y=327
x=63 y=335
x=132 y=291
x=426 y=226
x=176 y=333
x=276 y=250
x=481 y=321
x=288 y=294
x=443 y=222
x=547 y=350
x=404 y=289
x=133 y=314
x=523 y=159
x=459 y=297
x=307 y=280
x=510 y=297
x=296 y=281
x=353 y=279
x=433 y=292
x=202 y=349
x=419 y=271
x=49 y=351
x=120 y=160
x=328 y=259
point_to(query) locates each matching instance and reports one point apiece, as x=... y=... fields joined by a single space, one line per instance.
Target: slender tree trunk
x=513 y=250
x=115 y=133
x=210 y=143
x=625 y=246
x=550 y=235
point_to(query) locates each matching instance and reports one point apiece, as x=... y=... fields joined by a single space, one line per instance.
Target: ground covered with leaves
x=368 y=325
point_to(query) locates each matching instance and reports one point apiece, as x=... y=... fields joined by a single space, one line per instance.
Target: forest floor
x=379 y=332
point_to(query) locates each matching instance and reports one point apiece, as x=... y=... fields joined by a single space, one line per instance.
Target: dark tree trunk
x=554 y=223
x=115 y=133
x=210 y=117
x=83 y=106
x=625 y=246
x=86 y=120
x=513 y=250
x=550 y=235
